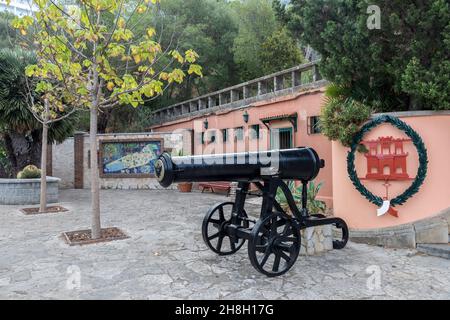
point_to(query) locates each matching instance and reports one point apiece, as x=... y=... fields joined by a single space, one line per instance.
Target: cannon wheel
x=274 y=244
x=214 y=229
x=340 y=224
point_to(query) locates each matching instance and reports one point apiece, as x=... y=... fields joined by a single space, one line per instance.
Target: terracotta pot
x=185 y=186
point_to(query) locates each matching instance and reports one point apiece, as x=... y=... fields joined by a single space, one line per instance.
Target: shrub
x=342 y=116
x=29 y=172
x=313 y=205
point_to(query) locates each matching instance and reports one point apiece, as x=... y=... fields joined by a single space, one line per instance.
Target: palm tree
x=20 y=131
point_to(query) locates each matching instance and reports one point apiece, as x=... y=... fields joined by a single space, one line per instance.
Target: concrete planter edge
x=27 y=191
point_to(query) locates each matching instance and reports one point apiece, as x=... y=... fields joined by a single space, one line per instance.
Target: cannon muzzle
x=291 y=164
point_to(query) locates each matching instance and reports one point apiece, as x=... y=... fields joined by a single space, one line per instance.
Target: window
x=281 y=138
x=202 y=138
x=314 y=125
x=212 y=136
x=254 y=132
x=224 y=135
x=239 y=133
x=285 y=138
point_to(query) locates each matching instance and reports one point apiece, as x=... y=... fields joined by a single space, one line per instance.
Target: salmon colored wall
x=306 y=104
x=433 y=196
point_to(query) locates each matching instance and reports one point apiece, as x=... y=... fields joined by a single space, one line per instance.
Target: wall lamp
x=245 y=116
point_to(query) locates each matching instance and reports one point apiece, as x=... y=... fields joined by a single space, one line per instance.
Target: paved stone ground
x=166 y=258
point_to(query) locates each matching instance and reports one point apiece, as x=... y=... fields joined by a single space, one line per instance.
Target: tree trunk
x=43 y=200
x=21 y=151
x=95 y=180
x=103 y=120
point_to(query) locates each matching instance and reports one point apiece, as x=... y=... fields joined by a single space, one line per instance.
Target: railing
x=276 y=84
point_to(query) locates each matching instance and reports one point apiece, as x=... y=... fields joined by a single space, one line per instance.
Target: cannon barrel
x=292 y=164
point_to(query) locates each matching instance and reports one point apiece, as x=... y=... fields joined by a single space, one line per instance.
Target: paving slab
x=165 y=258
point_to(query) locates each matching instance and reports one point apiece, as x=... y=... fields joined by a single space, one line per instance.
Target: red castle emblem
x=386 y=160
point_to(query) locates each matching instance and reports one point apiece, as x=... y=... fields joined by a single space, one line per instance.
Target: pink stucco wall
x=306 y=104
x=434 y=194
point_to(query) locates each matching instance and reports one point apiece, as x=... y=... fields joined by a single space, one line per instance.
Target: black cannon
x=274 y=239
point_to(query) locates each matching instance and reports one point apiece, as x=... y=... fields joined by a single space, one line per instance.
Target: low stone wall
x=27 y=191
x=316 y=240
x=409 y=235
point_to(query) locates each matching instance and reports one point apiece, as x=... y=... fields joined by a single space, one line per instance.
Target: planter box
x=27 y=191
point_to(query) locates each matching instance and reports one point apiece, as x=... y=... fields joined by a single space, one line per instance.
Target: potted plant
x=183 y=186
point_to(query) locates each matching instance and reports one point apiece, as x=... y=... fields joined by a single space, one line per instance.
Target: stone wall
x=63 y=162
x=316 y=240
x=409 y=235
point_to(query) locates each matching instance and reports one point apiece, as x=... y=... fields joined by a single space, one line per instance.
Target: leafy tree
x=209 y=27
x=257 y=22
x=20 y=131
x=280 y=11
x=404 y=65
x=48 y=110
x=7 y=34
x=80 y=53
x=280 y=51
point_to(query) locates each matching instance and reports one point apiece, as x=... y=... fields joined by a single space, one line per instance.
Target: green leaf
x=87 y=63
x=195 y=68
x=30 y=70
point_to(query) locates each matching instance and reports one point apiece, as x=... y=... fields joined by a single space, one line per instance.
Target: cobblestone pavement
x=165 y=258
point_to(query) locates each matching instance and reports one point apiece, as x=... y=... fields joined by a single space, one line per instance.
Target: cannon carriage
x=274 y=239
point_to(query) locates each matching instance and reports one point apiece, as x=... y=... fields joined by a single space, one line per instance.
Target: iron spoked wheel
x=274 y=244
x=340 y=224
x=214 y=229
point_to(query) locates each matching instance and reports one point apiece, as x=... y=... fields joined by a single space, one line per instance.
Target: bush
x=29 y=172
x=342 y=116
x=314 y=205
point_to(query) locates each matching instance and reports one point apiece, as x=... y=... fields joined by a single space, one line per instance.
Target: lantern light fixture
x=245 y=116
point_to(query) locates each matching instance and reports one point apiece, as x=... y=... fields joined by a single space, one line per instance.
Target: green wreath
x=421 y=150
